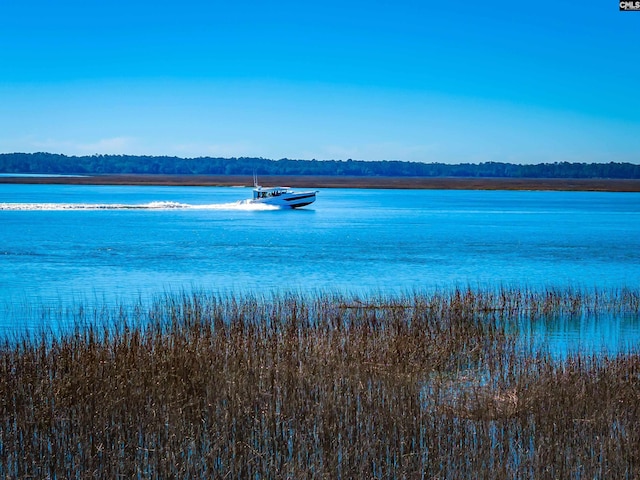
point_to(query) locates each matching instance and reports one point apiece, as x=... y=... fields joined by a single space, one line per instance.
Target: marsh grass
x=327 y=386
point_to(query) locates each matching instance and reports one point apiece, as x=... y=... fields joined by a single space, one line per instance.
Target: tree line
x=49 y=163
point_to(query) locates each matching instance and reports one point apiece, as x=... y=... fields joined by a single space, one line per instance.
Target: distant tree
x=103 y=164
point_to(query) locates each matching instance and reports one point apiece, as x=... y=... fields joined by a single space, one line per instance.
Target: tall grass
x=328 y=386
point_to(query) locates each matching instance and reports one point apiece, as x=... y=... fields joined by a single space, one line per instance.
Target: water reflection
x=597 y=333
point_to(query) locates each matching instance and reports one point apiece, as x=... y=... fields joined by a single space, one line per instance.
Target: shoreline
x=309 y=181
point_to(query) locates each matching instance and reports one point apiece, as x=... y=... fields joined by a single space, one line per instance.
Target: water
x=61 y=244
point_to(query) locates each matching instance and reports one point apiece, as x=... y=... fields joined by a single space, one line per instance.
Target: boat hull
x=288 y=200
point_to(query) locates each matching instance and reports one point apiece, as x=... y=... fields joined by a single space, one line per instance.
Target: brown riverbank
x=308 y=181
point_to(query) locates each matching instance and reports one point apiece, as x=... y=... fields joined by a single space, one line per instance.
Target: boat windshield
x=270 y=192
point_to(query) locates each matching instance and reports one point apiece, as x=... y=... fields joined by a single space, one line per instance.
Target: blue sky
x=446 y=81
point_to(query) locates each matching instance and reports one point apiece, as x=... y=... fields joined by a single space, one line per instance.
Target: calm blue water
x=63 y=243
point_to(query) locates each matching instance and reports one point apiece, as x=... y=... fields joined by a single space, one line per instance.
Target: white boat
x=282 y=196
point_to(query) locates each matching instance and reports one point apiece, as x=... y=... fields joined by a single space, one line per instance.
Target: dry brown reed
x=328 y=386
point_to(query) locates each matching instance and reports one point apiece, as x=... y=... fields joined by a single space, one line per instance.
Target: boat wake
x=240 y=205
